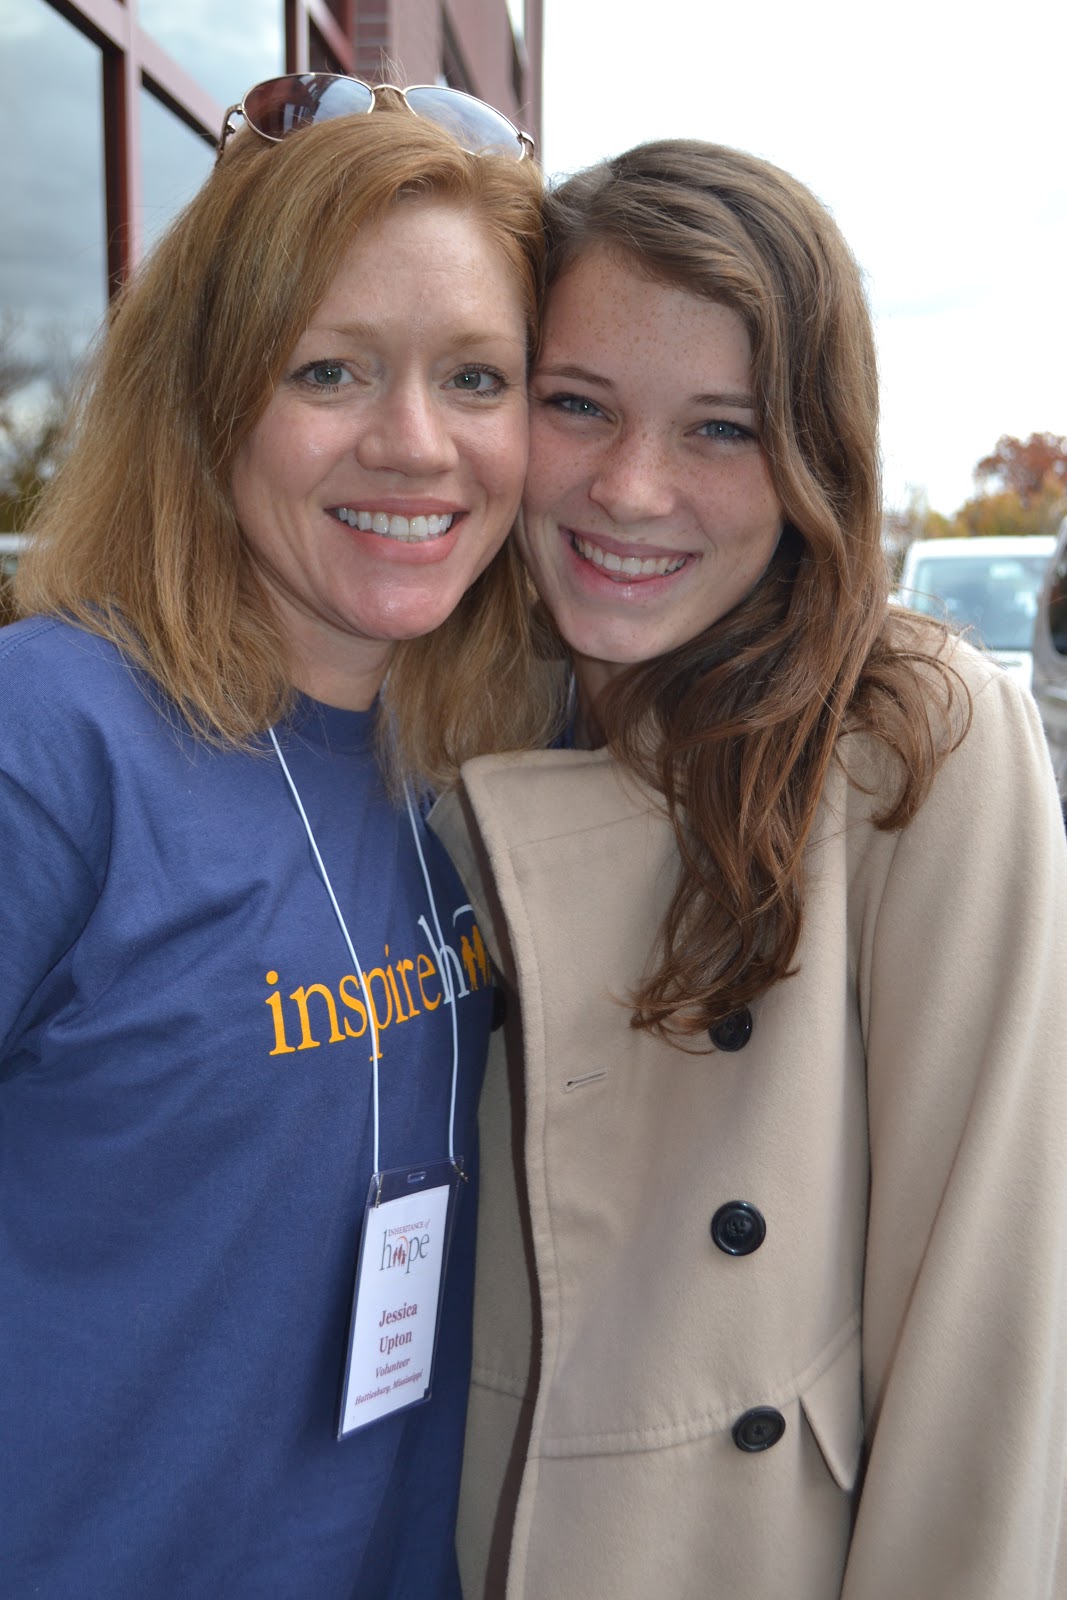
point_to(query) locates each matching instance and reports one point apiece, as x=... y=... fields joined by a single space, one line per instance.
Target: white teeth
x=411 y=530
x=628 y=566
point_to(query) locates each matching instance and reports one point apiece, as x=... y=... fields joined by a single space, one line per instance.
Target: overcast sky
x=935 y=131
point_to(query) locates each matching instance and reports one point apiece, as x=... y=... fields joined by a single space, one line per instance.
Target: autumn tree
x=1007 y=513
x=1022 y=489
x=1031 y=469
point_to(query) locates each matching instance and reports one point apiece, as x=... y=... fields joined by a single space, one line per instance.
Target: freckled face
x=387 y=468
x=649 y=509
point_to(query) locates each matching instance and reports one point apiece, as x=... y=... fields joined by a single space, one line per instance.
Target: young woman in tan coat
x=773 y=1285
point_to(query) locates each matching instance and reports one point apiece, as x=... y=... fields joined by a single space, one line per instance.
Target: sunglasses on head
x=280 y=106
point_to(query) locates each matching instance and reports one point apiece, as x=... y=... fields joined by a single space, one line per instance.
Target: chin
x=415 y=623
x=615 y=653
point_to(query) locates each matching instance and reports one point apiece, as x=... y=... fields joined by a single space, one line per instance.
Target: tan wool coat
x=785 y=1320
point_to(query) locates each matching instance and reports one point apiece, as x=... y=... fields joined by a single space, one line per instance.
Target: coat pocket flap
x=833 y=1406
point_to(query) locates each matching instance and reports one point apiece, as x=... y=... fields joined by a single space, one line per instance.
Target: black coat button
x=758 y=1429
x=738 y=1228
x=500 y=1007
x=732 y=1032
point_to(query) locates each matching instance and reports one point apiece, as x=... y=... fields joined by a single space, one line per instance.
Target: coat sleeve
x=962 y=974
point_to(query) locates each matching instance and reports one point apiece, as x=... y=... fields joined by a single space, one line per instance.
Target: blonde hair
x=738 y=727
x=136 y=538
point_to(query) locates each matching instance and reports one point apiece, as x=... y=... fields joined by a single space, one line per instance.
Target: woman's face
x=387 y=468
x=649 y=509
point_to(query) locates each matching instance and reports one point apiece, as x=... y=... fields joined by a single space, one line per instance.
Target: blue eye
x=327 y=374
x=578 y=405
x=730 y=432
x=478 y=380
x=322 y=375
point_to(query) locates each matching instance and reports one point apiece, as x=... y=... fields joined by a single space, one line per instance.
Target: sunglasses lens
x=277 y=107
x=473 y=124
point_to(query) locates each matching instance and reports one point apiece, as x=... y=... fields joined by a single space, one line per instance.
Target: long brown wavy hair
x=136 y=538
x=737 y=728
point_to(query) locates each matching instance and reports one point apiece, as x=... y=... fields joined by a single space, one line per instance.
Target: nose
x=407 y=431
x=632 y=481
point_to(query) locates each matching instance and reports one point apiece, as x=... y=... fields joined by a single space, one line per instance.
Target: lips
x=625 y=567
x=409 y=530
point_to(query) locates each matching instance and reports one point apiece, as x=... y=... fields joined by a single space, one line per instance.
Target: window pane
x=226 y=48
x=53 y=261
x=53 y=256
x=174 y=163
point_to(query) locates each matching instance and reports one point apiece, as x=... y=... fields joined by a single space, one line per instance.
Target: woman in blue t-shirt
x=244 y=999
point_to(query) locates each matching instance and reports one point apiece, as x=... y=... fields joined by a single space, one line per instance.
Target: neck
x=339 y=686
x=591 y=680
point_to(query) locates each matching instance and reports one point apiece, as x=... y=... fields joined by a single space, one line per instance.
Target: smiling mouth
x=628 y=567
x=410 y=530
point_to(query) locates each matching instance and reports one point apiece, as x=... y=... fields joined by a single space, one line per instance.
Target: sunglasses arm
x=227 y=129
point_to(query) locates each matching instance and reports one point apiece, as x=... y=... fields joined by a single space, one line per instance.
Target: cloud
x=932 y=132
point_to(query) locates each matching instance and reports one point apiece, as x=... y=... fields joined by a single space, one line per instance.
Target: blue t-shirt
x=185 y=1147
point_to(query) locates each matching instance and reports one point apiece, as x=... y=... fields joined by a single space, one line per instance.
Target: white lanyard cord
x=442 y=955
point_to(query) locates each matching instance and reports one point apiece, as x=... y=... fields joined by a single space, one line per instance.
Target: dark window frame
x=132 y=59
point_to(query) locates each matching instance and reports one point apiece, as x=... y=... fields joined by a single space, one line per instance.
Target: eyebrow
x=743 y=402
x=369 y=332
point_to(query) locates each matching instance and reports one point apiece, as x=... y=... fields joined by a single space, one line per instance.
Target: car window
x=995 y=596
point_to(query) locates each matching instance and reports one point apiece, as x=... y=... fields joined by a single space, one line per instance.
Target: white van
x=988 y=586
x=1050 y=659
x=11 y=547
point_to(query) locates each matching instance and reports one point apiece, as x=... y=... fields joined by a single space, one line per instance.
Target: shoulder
x=75 y=714
x=55 y=675
x=978 y=713
x=537 y=799
x=988 y=830
x=570 y=819
x=957 y=713
x=54 y=654
x=545 y=793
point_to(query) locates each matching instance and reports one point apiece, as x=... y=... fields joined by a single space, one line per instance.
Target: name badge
x=396 y=1306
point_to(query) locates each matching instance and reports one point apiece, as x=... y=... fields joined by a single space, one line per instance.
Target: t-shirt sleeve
x=49 y=892
x=54 y=823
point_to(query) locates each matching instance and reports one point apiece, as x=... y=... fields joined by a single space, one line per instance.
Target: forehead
x=604 y=310
x=426 y=255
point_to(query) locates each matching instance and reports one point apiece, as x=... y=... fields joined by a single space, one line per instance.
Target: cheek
x=534 y=538
x=516 y=458
x=245 y=478
x=290 y=449
x=748 y=504
x=262 y=462
x=553 y=465
x=497 y=458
